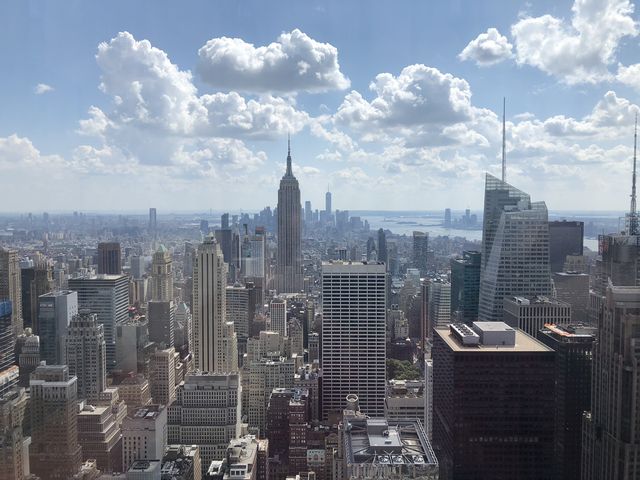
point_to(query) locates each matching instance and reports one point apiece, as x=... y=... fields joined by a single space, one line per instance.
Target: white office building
x=354 y=298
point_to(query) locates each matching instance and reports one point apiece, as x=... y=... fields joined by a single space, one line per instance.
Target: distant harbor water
x=404 y=223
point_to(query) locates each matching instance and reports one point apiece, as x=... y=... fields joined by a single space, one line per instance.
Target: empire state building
x=289 y=260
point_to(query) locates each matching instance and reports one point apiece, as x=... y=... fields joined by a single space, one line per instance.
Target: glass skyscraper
x=515 y=244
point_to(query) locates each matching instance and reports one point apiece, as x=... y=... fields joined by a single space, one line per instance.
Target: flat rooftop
x=340 y=266
x=383 y=443
x=148 y=412
x=523 y=343
x=535 y=300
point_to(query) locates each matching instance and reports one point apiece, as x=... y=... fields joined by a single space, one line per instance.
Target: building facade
x=515 y=243
x=354 y=298
x=611 y=441
x=289 y=253
x=108 y=297
x=206 y=413
x=10 y=286
x=86 y=355
x=573 y=346
x=565 y=238
x=530 y=314
x=55 y=311
x=493 y=398
x=55 y=452
x=465 y=286
x=212 y=350
x=109 y=258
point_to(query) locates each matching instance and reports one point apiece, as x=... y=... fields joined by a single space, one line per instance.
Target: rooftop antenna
x=633 y=215
x=289 y=172
x=504 y=142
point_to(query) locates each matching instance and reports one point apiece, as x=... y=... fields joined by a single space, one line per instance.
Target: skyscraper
x=573 y=346
x=108 y=297
x=264 y=376
x=439 y=303
x=153 y=223
x=209 y=311
x=308 y=213
x=13 y=443
x=447 y=218
x=289 y=254
x=327 y=202
x=254 y=255
x=515 y=243
x=85 y=354
x=55 y=452
x=144 y=434
x=10 y=286
x=9 y=372
x=238 y=312
x=36 y=279
x=163 y=376
x=382 y=246
x=504 y=431
x=573 y=288
x=109 y=258
x=465 y=286
x=611 y=438
x=278 y=316
x=530 y=314
x=354 y=297
x=420 y=251
x=55 y=311
x=161 y=316
x=206 y=413
x=162 y=275
x=565 y=238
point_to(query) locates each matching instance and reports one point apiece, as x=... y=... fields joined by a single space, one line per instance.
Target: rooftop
x=148 y=412
x=536 y=300
x=571 y=333
x=375 y=441
x=523 y=343
x=339 y=266
x=178 y=461
x=144 y=465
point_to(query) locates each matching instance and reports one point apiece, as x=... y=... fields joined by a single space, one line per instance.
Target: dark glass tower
x=465 y=286
x=289 y=259
x=565 y=238
x=382 y=246
x=109 y=258
x=573 y=346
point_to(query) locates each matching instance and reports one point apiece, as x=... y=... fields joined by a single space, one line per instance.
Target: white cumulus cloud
x=487 y=48
x=157 y=117
x=295 y=62
x=629 y=75
x=579 y=51
x=42 y=88
x=419 y=95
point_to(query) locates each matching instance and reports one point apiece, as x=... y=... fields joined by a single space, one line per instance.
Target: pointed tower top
x=289 y=169
x=504 y=141
x=633 y=215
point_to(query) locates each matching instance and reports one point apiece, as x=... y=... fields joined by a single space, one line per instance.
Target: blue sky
x=396 y=105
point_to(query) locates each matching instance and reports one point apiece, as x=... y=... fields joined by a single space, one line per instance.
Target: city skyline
x=151 y=116
x=319 y=240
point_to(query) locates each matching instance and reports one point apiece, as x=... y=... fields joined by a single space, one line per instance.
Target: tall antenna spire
x=633 y=215
x=504 y=141
x=289 y=170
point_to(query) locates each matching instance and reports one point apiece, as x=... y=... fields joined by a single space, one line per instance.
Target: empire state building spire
x=289 y=172
x=289 y=257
